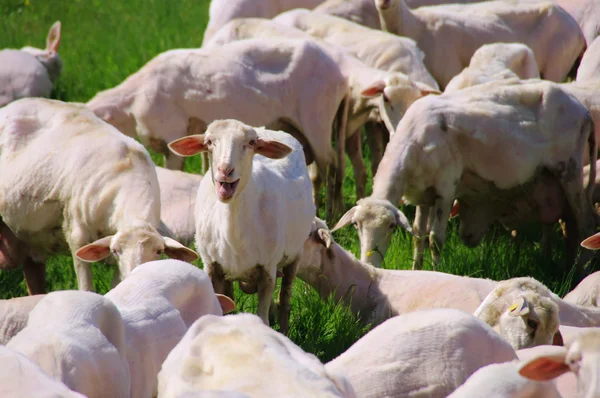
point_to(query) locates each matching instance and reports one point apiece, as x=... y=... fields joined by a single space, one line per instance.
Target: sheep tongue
x=226 y=189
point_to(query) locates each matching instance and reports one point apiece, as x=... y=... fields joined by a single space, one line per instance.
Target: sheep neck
x=401 y=21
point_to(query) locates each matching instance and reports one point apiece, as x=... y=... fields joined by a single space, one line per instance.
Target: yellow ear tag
x=369 y=253
x=513 y=307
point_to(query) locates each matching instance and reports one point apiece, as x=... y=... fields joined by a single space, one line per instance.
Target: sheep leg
x=217 y=277
x=375 y=133
x=545 y=245
x=420 y=229
x=285 y=295
x=441 y=212
x=317 y=181
x=266 y=287
x=35 y=276
x=354 y=149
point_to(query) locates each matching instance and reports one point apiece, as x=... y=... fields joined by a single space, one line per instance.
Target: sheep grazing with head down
x=254 y=212
x=30 y=71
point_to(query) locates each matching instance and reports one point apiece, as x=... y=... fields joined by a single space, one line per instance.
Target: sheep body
x=14 y=314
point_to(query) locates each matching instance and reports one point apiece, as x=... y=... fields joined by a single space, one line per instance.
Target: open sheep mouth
x=225 y=190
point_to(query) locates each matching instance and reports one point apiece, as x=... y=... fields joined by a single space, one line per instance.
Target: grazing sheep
x=59 y=192
x=496 y=61
x=78 y=338
x=450 y=34
x=422 y=354
x=158 y=302
x=587 y=292
x=582 y=357
x=240 y=354
x=589 y=68
x=441 y=152
x=223 y=11
x=254 y=213
x=20 y=377
x=30 y=72
x=177 y=203
x=378 y=294
x=14 y=314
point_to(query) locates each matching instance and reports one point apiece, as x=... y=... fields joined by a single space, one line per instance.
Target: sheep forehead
x=137 y=233
x=374 y=215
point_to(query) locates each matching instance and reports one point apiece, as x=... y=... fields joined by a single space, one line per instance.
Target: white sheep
x=20 y=377
x=14 y=314
x=441 y=151
x=78 y=338
x=158 y=302
x=59 y=192
x=378 y=294
x=424 y=354
x=30 y=72
x=496 y=61
x=240 y=354
x=254 y=213
x=589 y=68
x=587 y=292
x=177 y=203
x=450 y=34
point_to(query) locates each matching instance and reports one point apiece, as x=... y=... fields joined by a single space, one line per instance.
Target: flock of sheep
x=479 y=124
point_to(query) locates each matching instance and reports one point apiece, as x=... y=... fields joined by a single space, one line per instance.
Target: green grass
x=103 y=41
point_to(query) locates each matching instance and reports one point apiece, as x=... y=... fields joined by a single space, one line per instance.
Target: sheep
x=587 y=292
x=58 y=193
x=587 y=15
x=374 y=96
x=158 y=302
x=240 y=354
x=441 y=151
x=262 y=82
x=30 y=72
x=378 y=294
x=580 y=357
x=222 y=11
x=496 y=61
x=20 y=377
x=177 y=202
x=426 y=353
x=77 y=338
x=254 y=213
x=450 y=34
x=14 y=314
x=589 y=68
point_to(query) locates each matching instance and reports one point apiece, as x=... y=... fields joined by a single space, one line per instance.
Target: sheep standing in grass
x=30 y=72
x=158 y=302
x=14 y=314
x=67 y=179
x=79 y=339
x=254 y=212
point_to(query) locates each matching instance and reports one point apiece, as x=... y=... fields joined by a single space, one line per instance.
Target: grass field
x=103 y=41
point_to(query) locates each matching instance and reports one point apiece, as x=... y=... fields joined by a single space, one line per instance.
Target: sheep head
x=49 y=56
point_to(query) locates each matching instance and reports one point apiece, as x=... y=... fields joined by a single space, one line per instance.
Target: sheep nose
x=227 y=171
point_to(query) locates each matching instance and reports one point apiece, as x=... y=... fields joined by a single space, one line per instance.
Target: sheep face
x=232 y=145
x=375 y=220
x=133 y=245
x=316 y=251
x=49 y=56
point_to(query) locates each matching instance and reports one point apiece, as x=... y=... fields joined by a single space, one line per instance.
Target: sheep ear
x=545 y=368
x=53 y=38
x=227 y=304
x=272 y=149
x=188 y=146
x=592 y=243
x=519 y=307
x=325 y=237
x=402 y=221
x=558 y=339
x=455 y=209
x=374 y=89
x=95 y=251
x=427 y=90
x=345 y=220
x=176 y=250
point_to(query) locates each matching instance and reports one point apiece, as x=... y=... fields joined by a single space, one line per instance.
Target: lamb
x=262 y=82
x=450 y=34
x=441 y=151
x=78 y=338
x=158 y=302
x=177 y=202
x=422 y=354
x=20 y=377
x=30 y=72
x=378 y=294
x=589 y=68
x=58 y=193
x=223 y=11
x=580 y=357
x=254 y=213
x=14 y=314
x=496 y=61
x=220 y=353
x=587 y=292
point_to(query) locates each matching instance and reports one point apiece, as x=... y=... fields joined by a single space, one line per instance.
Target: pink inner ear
x=188 y=146
x=543 y=369
x=593 y=242
x=93 y=252
x=455 y=210
x=272 y=149
x=227 y=305
x=374 y=90
x=558 y=339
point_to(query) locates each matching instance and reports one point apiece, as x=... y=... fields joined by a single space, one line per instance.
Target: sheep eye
x=160 y=252
x=385 y=99
x=532 y=324
x=252 y=143
x=392 y=226
x=208 y=142
x=355 y=225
